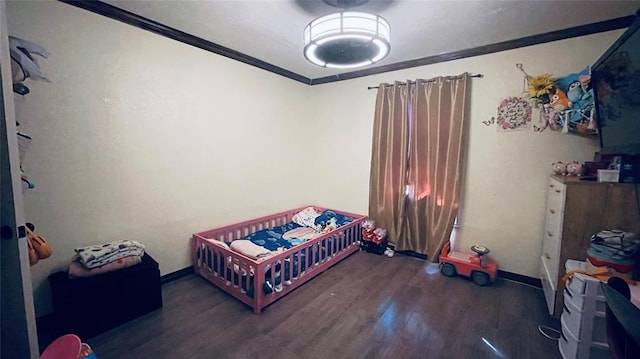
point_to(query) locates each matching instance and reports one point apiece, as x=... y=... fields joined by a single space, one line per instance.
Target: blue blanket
x=271 y=238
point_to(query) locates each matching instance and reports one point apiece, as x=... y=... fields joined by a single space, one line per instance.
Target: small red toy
x=481 y=270
x=368 y=227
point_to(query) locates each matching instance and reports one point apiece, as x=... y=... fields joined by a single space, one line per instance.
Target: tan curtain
x=389 y=159
x=423 y=158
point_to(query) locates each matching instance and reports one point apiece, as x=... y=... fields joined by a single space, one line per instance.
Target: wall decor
x=564 y=103
x=514 y=114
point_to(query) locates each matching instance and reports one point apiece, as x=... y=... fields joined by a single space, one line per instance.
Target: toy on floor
x=368 y=226
x=374 y=240
x=68 y=346
x=481 y=270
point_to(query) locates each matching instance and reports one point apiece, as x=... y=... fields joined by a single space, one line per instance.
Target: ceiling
x=271 y=30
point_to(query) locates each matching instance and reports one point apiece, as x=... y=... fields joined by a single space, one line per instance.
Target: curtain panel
x=389 y=159
x=417 y=161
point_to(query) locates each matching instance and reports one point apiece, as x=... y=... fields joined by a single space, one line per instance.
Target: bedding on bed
x=250 y=249
x=308 y=226
x=264 y=243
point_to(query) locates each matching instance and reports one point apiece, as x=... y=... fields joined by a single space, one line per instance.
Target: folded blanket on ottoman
x=77 y=270
x=99 y=255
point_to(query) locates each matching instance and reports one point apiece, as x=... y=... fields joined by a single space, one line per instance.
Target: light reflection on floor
x=387 y=322
x=495 y=350
x=433 y=268
x=394 y=321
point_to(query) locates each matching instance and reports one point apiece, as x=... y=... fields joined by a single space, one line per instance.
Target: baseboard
x=176 y=275
x=413 y=254
x=535 y=282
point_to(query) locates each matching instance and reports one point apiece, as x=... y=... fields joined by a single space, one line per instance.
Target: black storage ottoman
x=92 y=305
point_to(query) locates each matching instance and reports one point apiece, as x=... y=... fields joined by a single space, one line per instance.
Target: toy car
x=481 y=270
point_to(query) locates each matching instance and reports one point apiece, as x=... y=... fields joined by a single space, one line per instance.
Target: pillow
x=306 y=217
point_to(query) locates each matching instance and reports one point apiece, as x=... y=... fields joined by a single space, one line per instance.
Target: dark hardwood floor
x=367 y=306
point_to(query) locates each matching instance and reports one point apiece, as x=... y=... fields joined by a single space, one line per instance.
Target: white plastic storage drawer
x=582 y=325
x=581 y=299
x=572 y=348
x=578 y=283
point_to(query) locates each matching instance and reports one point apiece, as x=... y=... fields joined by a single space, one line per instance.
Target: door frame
x=17 y=315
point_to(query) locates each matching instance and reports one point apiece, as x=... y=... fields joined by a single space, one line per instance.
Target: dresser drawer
x=551 y=254
x=555 y=194
x=553 y=221
x=556 y=186
x=548 y=285
x=551 y=244
x=552 y=235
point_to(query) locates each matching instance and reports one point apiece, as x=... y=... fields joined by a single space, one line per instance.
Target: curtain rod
x=446 y=77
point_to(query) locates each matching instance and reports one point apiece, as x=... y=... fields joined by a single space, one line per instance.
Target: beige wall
x=146 y=138
x=504 y=192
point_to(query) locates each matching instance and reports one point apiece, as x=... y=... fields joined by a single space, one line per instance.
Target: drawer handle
x=568 y=293
x=551 y=186
x=546 y=255
x=558 y=191
x=564 y=305
x=549 y=234
x=552 y=210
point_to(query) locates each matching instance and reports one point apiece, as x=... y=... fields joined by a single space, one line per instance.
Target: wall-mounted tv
x=616 y=81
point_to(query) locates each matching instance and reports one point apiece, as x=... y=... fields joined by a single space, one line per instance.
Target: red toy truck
x=481 y=270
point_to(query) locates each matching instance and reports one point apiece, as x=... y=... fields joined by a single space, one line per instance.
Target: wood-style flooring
x=367 y=306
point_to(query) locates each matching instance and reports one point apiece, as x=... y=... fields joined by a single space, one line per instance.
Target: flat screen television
x=615 y=78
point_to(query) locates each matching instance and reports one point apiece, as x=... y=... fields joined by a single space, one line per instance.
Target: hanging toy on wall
x=38 y=247
x=24 y=64
x=21 y=52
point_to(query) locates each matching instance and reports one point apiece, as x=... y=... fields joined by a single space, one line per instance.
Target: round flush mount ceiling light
x=347 y=39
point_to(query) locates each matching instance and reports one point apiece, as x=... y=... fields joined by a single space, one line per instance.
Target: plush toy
x=575 y=91
x=559 y=168
x=369 y=224
x=380 y=235
x=322 y=221
x=367 y=229
x=559 y=101
x=330 y=225
x=574 y=168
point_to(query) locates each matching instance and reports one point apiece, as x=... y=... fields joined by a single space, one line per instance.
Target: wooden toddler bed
x=260 y=282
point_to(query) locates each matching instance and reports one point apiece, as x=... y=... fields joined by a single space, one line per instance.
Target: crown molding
x=141 y=22
x=144 y=23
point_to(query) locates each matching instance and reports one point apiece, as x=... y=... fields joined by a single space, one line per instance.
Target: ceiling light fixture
x=347 y=39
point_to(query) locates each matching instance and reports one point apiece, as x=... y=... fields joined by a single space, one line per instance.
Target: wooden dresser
x=576 y=210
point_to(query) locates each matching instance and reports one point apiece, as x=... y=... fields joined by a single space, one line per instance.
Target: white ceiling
x=271 y=30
